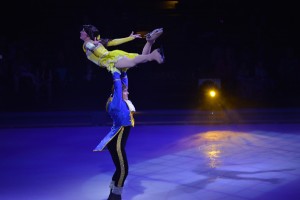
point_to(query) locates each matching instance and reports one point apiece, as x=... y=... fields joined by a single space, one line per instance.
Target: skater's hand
x=135 y=35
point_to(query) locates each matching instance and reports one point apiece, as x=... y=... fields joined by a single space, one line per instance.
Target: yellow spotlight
x=212 y=93
x=168 y=5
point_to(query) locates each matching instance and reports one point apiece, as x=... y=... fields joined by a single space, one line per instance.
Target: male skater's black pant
x=117 y=151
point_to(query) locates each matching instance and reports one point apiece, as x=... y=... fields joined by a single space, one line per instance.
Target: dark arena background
x=218 y=120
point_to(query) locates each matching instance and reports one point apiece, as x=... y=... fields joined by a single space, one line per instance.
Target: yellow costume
x=104 y=58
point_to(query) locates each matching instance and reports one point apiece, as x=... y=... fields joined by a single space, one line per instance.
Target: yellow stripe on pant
x=121 y=159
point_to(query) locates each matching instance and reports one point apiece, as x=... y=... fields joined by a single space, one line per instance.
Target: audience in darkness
x=248 y=67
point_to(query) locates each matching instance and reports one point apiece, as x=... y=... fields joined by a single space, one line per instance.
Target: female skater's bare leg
x=147 y=48
x=151 y=37
x=128 y=63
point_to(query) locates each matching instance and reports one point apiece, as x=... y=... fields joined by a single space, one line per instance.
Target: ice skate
x=152 y=36
x=158 y=56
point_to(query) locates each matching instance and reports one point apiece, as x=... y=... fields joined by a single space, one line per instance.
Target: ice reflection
x=213 y=152
x=213 y=143
x=215 y=146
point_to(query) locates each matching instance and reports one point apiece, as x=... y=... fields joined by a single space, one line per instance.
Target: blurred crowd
x=256 y=61
x=33 y=78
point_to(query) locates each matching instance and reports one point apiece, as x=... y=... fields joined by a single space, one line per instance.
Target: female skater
x=113 y=61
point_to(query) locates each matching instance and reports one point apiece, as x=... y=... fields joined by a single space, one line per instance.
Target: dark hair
x=91 y=30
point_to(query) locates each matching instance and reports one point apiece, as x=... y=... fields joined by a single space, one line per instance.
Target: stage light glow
x=168 y=5
x=212 y=93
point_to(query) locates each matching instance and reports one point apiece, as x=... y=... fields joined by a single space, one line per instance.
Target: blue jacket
x=116 y=106
x=117 y=109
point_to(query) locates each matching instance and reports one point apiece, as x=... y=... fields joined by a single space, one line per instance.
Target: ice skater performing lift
x=118 y=106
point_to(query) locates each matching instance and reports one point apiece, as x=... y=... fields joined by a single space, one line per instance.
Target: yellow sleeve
x=115 y=42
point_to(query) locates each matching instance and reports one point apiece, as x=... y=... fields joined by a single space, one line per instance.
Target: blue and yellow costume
x=118 y=110
x=104 y=58
x=121 y=112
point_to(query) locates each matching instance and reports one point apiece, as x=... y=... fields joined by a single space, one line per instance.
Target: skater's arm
x=117 y=93
x=124 y=78
x=119 y=41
